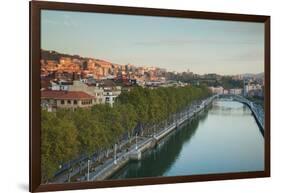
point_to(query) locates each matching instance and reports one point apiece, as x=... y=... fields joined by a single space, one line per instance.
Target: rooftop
x=54 y=94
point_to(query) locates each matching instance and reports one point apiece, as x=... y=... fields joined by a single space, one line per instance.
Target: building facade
x=51 y=100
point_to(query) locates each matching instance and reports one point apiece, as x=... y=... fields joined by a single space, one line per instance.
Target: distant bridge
x=256 y=110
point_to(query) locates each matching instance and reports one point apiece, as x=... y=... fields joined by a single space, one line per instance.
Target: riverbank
x=257 y=112
x=139 y=144
x=209 y=143
x=144 y=143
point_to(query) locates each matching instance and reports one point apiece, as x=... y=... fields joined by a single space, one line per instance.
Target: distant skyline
x=176 y=44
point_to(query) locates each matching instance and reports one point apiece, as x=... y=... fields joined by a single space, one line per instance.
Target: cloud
x=65 y=20
x=256 y=55
x=50 y=21
x=182 y=42
x=65 y=16
x=69 y=21
x=174 y=42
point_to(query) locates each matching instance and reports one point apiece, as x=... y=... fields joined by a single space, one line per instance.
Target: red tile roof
x=54 y=94
x=45 y=83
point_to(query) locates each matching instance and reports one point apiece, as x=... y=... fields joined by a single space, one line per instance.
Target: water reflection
x=224 y=138
x=226 y=108
x=156 y=161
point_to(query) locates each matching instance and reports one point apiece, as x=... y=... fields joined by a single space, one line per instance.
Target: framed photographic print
x=123 y=96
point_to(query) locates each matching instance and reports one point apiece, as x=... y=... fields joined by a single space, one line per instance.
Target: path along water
x=224 y=138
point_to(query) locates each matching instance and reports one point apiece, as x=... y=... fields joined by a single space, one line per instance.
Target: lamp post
x=136 y=141
x=88 y=174
x=115 y=147
x=69 y=174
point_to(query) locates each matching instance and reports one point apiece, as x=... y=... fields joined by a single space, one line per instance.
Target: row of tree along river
x=101 y=143
x=89 y=138
x=223 y=138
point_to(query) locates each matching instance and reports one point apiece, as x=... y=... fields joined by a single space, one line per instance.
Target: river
x=222 y=139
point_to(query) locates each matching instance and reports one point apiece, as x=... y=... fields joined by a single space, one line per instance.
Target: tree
x=128 y=118
x=59 y=143
x=68 y=134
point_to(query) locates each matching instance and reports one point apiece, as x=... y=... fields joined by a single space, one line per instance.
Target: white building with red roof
x=53 y=99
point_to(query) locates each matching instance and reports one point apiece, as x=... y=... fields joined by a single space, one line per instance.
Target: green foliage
x=59 y=143
x=228 y=83
x=68 y=134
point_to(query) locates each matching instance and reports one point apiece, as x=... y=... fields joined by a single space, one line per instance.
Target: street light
x=115 y=147
x=88 y=175
x=69 y=174
x=136 y=141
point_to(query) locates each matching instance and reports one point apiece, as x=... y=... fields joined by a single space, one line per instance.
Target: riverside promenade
x=256 y=109
x=257 y=112
x=123 y=155
x=110 y=166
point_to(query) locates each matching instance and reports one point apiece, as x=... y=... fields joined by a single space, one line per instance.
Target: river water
x=224 y=138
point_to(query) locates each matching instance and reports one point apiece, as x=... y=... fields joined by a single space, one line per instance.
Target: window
x=69 y=102
x=75 y=102
x=85 y=102
x=62 y=102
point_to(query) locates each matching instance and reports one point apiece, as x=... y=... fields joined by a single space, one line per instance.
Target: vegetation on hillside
x=215 y=80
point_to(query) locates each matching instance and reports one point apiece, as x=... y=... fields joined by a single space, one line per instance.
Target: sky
x=176 y=44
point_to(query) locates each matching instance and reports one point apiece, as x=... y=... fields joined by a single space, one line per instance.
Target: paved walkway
x=124 y=154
